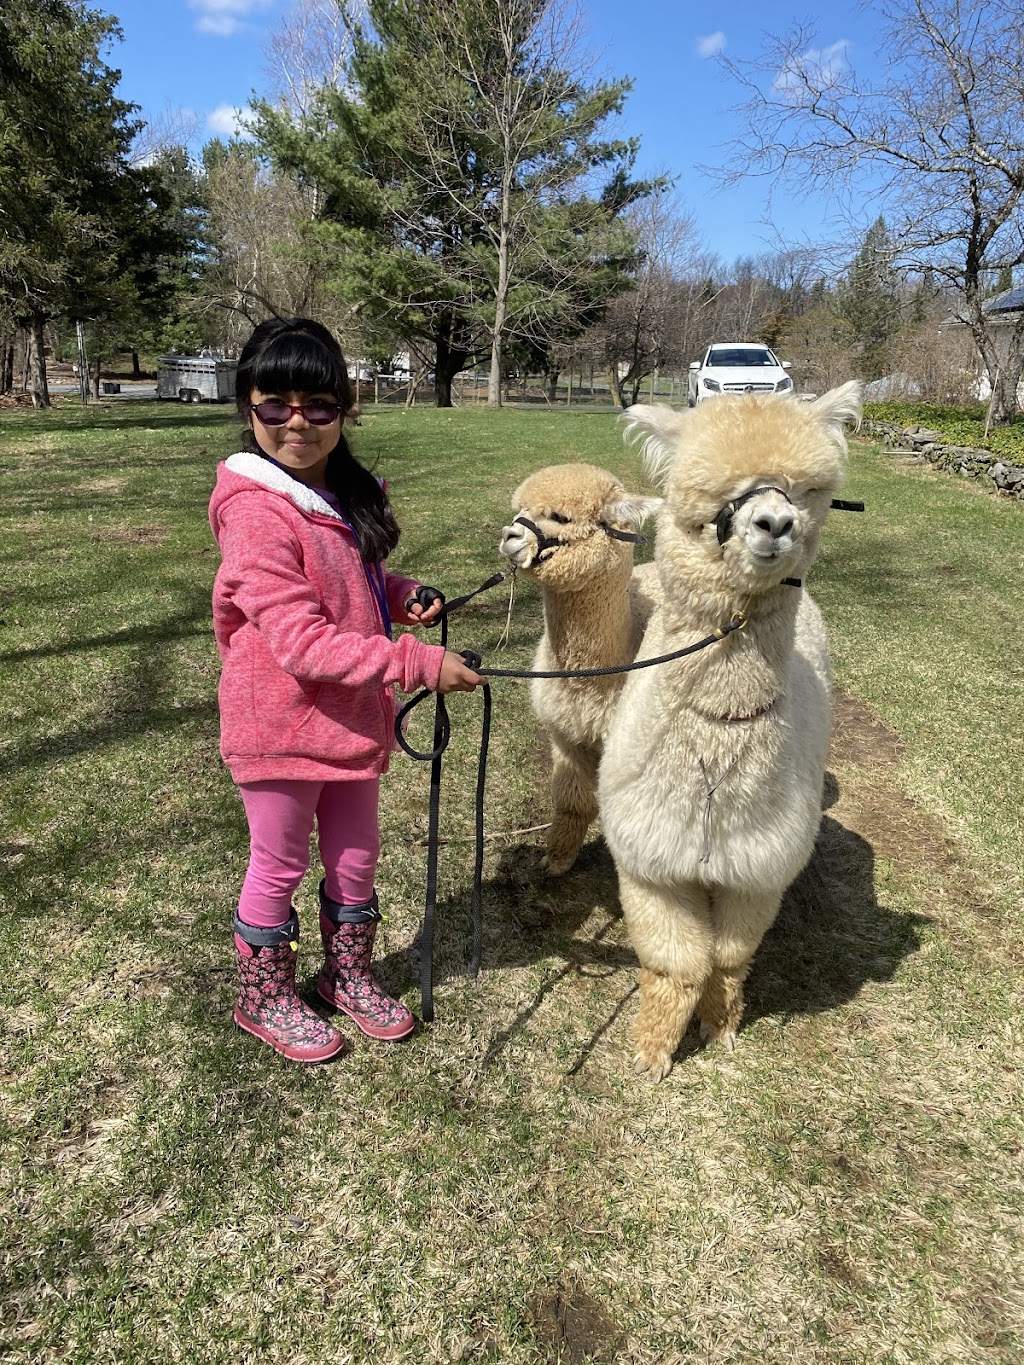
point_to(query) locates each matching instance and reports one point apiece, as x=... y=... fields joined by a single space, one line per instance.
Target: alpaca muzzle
x=525 y=543
x=724 y=522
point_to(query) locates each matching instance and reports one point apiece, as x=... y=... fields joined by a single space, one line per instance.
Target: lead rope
x=442 y=737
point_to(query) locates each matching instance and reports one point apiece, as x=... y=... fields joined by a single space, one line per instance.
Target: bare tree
x=259 y=262
x=653 y=325
x=308 y=48
x=821 y=345
x=167 y=131
x=938 y=141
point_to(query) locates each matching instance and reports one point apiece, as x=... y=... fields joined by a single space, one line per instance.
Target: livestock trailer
x=193 y=378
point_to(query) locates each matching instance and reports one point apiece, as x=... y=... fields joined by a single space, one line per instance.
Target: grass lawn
x=845 y=1188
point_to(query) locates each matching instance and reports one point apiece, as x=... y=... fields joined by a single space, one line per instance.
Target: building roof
x=1009 y=301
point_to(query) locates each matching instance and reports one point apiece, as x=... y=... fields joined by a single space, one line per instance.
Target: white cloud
x=227 y=121
x=712 y=45
x=224 y=17
x=819 y=69
x=222 y=25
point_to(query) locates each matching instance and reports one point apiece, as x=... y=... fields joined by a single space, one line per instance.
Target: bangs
x=296 y=361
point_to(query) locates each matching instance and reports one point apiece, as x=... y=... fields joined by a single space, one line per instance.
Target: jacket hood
x=242 y=472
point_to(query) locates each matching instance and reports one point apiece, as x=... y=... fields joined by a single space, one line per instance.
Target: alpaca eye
x=557 y=516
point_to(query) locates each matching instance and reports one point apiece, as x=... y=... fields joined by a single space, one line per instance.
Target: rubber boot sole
x=383 y=1034
x=294 y=1052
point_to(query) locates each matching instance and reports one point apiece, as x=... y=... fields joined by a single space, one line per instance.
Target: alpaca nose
x=513 y=541
x=774 y=524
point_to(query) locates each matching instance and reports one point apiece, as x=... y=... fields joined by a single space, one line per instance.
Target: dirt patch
x=894 y=826
x=101 y=486
x=131 y=535
x=859 y=737
x=572 y=1327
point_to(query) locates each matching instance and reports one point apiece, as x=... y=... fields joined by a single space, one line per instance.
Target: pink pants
x=280 y=816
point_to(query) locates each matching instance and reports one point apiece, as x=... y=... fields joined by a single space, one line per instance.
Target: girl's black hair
x=300 y=355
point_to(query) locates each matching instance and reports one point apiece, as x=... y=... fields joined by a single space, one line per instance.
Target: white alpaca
x=568 y=537
x=711 y=781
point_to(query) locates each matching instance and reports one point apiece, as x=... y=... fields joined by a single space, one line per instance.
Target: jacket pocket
x=285 y=706
x=345 y=726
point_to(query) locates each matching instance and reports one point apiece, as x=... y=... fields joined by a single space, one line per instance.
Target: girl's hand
x=456 y=676
x=425 y=606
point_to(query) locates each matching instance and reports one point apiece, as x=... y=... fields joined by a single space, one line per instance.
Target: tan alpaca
x=596 y=607
x=710 y=786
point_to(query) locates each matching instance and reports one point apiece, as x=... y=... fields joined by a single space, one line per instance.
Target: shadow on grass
x=147 y=413
x=133 y=703
x=831 y=937
x=187 y=625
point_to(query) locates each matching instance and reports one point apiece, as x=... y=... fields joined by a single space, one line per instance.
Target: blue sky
x=207 y=57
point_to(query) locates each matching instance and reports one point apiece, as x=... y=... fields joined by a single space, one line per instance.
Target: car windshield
x=738 y=356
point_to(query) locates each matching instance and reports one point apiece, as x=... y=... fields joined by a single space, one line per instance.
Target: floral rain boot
x=345 y=979
x=268 y=1006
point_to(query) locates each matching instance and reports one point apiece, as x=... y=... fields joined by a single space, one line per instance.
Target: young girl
x=302 y=610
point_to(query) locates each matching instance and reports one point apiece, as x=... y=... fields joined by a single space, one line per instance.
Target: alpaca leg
x=573 y=806
x=740 y=923
x=670 y=928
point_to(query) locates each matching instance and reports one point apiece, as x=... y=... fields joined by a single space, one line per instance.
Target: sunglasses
x=275 y=412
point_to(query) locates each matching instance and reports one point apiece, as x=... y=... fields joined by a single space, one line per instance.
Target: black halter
x=549 y=544
x=723 y=522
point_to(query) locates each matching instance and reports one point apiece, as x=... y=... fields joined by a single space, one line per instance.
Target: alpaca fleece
x=711 y=779
x=596 y=606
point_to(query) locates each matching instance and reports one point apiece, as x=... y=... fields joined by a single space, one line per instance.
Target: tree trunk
x=136 y=371
x=83 y=363
x=36 y=377
x=448 y=362
x=494 y=379
x=96 y=378
x=1005 y=407
x=615 y=384
x=551 y=376
x=500 y=305
x=6 y=365
x=443 y=389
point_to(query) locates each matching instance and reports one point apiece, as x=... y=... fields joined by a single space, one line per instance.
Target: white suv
x=737 y=367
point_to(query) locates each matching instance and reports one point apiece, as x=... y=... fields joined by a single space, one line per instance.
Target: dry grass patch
x=131 y=535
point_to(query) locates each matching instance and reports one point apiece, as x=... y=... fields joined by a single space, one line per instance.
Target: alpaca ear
x=840 y=408
x=631 y=511
x=654 y=426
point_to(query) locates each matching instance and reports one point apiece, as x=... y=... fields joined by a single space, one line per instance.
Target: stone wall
x=996 y=471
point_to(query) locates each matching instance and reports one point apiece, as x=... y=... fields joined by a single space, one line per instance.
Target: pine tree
x=869 y=298
x=448 y=167
x=78 y=224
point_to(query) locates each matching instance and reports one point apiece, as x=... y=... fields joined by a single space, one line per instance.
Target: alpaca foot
x=666 y=1007
x=724 y=1037
x=558 y=864
x=653 y=1066
x=720 y=1007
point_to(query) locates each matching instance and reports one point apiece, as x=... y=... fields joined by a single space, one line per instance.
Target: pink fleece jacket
x=306 y=688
